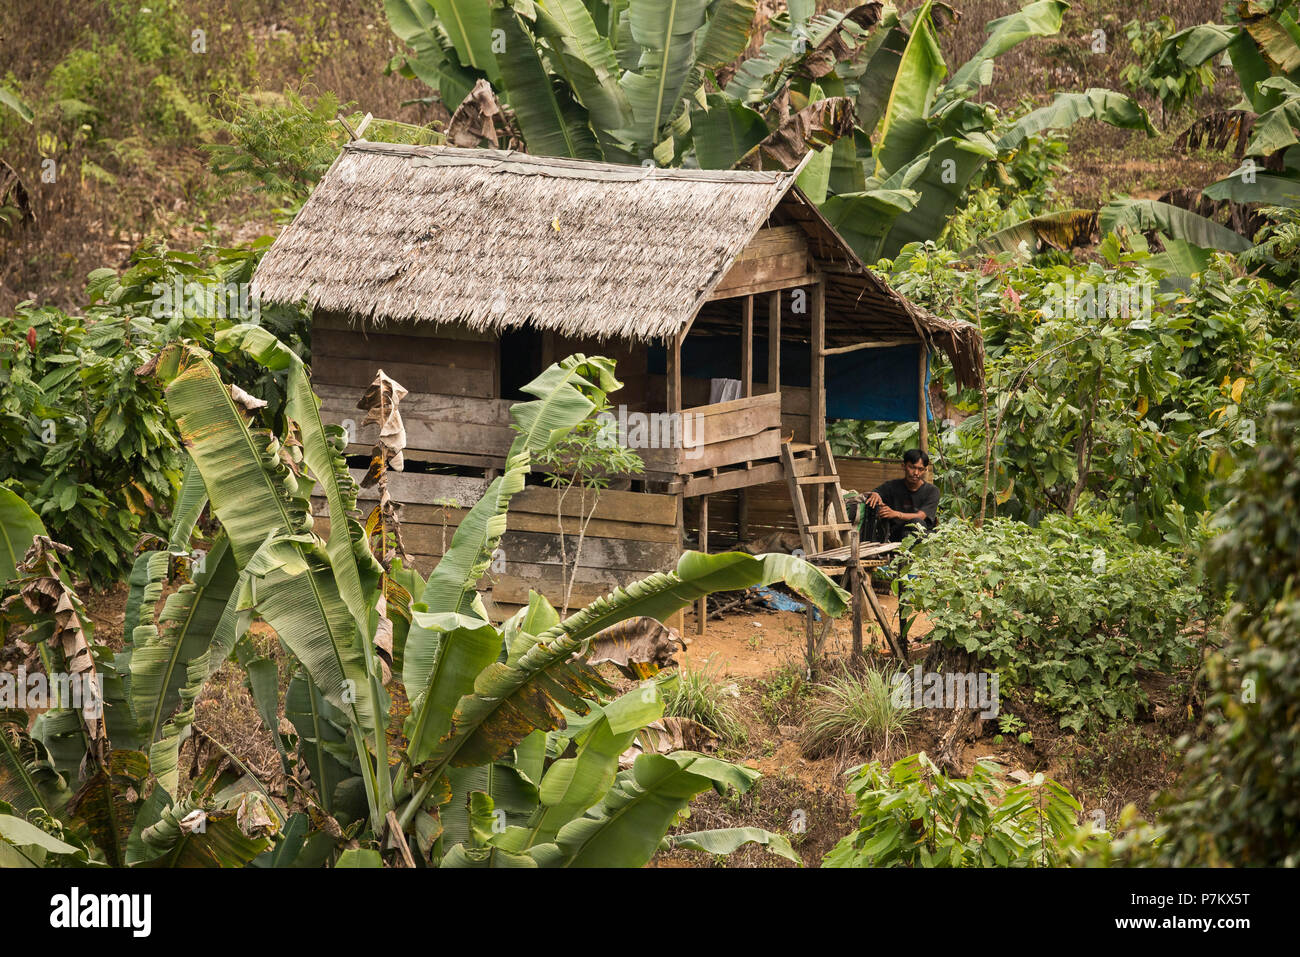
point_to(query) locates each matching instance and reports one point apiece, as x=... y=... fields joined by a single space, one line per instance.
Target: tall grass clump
x=854 y=713
x=699 y=695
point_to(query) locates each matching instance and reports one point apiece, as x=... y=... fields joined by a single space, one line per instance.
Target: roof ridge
x=504 y=160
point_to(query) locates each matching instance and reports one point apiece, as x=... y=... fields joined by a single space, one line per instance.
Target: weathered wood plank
x=428 y=405
x=614 y=505
x=543 y=548
x=746 y=448
x=417 y=377
x=383 y=347
x=324 y=319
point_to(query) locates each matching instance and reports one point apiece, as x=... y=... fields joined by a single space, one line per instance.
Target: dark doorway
x=521 y=361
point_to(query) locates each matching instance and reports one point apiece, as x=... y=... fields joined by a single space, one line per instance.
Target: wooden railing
x=719 y=435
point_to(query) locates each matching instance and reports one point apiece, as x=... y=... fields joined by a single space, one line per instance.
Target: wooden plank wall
x=631 y=535
x=451 y=414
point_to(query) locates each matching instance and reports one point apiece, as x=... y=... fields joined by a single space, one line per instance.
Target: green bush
x=1073 y=609
x=1238 y=802
x=911 y=815
x=88 y=442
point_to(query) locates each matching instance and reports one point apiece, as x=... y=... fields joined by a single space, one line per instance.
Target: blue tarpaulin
x=878 y=384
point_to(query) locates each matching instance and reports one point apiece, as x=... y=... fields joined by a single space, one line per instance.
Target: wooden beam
x=817 y=410
x=747 y=388
x=874 y=344
x=702 y=603
x=674 y=397
x=770 y=285
x=747 y=347
x=855 y=589
x=774 y=342
x=922 y=418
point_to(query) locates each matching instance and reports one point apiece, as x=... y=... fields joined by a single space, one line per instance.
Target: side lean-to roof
x=497 y=239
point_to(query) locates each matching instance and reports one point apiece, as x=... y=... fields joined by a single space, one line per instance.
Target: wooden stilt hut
x=725 y=298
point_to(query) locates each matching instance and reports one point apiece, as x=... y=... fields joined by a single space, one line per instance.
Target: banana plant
x=643 y=80
x=1262 y=44
x=451 y=745
x=95 y=781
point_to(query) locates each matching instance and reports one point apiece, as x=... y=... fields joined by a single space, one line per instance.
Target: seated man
x=900 y=506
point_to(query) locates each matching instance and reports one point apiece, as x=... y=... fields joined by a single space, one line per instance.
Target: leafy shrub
x=697 y=694
x=855 y=712
x=88 y=443
x=911 y=815
x=1239 y=800
x=1073 y=609
x=91 y=445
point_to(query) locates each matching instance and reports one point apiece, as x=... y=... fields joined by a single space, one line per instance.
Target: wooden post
x=811 y=628
x=855 y=589
x=747 y=348
x=922 y=418
x=774 y=342
x=817 y=392
x=702 y=603
x=674 y=398
x=817 y=409
x=747 y=390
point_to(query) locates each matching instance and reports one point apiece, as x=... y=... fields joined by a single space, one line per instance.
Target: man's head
x=915 y=462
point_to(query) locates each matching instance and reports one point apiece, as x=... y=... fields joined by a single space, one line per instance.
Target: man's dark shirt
x=900 y=498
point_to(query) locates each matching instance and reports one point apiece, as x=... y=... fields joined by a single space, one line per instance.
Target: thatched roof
x=498 y=239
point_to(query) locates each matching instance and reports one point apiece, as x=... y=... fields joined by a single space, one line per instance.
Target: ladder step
x=817 y=479
x=833 y=527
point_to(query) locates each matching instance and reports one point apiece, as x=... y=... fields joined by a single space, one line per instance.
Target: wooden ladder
x=817 y=465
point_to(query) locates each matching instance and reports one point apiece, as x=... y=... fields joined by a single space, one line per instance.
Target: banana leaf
x=1041 y=19
x=728 y=840
x=28 y=779
x=1068 y=108
x=905 y=132
x=1146 y=215
x=553 y=124
x=624 y=829
x=665 y=30
x=585 y=59
x=725 y=132
x=510 y=700
x=18 y=526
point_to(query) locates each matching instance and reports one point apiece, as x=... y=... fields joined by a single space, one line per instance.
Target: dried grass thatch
x=497 y=239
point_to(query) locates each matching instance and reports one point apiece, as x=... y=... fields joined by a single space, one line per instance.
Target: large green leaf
x=552 y=123
x=463 y=650
x=586 y=60
x=468 y=24
x=727 y=840
x=18 y=526
x=725 y=132
x=572 y=785
x=626 y=828
x=1146 y=215
x=28 y=779
x=1041 y=19
x=293 y=586
x=322 y=738
x=1069 y=108
x=905 y=132
x=435 y=60
x=355 y=568
x=953 y=163
x=170 y=663
x=1268 y=189
x=510 y=700
x=665 y=30
x=251 y=489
